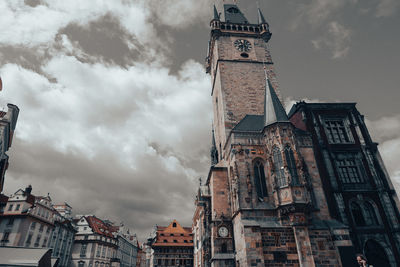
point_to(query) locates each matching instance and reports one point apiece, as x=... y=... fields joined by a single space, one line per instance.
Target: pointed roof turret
x=261 y=19
x=234 y=15
x=216 y=15
x=273 y=109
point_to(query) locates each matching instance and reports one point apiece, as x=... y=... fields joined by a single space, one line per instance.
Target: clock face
x=242 y=45
x=223 y=231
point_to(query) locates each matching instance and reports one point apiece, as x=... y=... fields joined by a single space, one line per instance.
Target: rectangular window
x=28 y=240
x=41 y=228
x=336 y=131
x=5 y=237
x=37 y=241
x=83 y=250
x=348 y=171
x=10 y=207
x=18 y=206
x=10 y=221
x=98 y=251
x=33 y=225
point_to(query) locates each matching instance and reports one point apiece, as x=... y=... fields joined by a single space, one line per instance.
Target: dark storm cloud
x=106 y=40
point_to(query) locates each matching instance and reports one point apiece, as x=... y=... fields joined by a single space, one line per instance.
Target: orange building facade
x=172 y=246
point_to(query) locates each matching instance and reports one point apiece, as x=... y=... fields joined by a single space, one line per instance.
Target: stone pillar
x=303 y=244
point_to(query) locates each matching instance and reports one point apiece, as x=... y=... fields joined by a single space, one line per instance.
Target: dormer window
x=233 y=10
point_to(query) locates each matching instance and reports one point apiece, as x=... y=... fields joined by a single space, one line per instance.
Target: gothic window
x=336 y=131
x=291 y=165
x=260 y=181
x=357 y=214
x=349 y=169
x=278 y=166
x=370 y=215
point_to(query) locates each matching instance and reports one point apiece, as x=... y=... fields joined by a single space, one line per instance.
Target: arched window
x=370 y=215
x=357 y=214
x=278 y=165
x=259 y=177
x=375 y=254
x=291 y=165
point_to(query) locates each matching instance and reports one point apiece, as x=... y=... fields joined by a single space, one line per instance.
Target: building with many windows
x=96 y=243
x=27 y=221
x=62 y=239
x=128 y=247
x=172 y=246
x=358 y=189
x=31 y=221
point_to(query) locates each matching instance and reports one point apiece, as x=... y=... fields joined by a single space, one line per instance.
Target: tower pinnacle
x=216 y=15
x=273 y=109
x=261 y=19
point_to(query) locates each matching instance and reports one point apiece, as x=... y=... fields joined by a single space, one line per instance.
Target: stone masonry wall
x=323 y=249
x=279 y=247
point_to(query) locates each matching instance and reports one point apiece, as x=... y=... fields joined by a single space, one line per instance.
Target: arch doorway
x=375 y=254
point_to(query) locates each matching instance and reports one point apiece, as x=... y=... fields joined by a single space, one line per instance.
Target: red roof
x=174 y=235
x=100 y=227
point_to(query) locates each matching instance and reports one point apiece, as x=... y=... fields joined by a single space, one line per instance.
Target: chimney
x=28 y=190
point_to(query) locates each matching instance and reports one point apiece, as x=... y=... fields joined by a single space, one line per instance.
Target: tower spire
x=261 y=19
x=216 y=15
x=273 y=108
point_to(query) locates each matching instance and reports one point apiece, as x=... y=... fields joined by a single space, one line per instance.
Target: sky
x=115 y=106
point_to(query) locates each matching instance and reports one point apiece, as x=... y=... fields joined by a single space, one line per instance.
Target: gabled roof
x=174 y=235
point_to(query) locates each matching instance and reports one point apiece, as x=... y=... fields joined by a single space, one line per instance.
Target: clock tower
x=263 y=201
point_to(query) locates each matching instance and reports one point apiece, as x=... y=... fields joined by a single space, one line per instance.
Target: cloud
x=387 y=8
x=181 y=14
x=50 y=16
x=115 y=139
x=336 y=39
x=318 y=11
x=386 y=131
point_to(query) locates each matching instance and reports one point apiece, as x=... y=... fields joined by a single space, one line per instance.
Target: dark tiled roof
x=234 y=15
x=250 y=123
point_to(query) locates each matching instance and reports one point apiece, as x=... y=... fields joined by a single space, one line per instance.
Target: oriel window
x=336 y=131
x=348 y=170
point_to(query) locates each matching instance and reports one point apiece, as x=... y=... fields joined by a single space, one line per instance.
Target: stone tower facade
x=263 y=203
